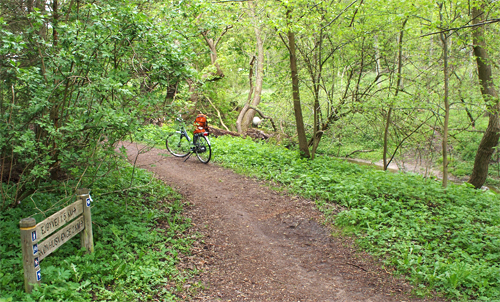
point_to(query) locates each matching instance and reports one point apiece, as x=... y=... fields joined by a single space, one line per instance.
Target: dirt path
x=262 y=245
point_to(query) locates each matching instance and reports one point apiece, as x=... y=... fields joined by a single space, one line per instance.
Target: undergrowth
x=134 y=258
x=441 y=239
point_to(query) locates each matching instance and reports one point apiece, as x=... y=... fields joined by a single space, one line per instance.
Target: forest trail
x=259 y=244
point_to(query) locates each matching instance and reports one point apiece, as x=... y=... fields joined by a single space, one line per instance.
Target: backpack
x=201 y=124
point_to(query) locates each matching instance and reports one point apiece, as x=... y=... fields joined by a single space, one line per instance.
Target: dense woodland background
x=411 y=82
x=393 y=80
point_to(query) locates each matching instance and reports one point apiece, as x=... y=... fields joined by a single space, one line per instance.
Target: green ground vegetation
x=79 y=76
x=446 y=240
x=139 y=233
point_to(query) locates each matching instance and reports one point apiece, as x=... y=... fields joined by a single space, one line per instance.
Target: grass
x=135 y=254
x=440 y=239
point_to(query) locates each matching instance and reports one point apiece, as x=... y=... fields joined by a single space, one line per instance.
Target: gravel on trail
x=260 y=244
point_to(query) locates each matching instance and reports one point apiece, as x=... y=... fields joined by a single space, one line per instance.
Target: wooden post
x=52 y=233
x=30 y=253
x=86 y=238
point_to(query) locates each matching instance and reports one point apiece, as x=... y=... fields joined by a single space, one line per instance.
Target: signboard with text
x=40 y=240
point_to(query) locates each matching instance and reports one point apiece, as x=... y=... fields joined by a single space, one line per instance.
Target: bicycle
x=179 y=143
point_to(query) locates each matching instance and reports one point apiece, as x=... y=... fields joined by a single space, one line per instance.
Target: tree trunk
x=304 y=150
x=317 y=134
x=398 y=87
x=29 y=6
x=213 y=59
x=386 y=137
x=378 y=66
x=444 y=40
x=212 y=45
x=490 y=96
x=239 y=120
x=259 y=77
x=55 y=14
x=193 y=98
x=316 y=85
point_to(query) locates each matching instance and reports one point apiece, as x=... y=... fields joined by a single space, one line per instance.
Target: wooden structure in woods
x=40 y=240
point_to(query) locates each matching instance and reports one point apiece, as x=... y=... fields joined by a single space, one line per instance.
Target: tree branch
x=228 y=27
x=355 y=12
x=402 y=141
x=264 y=116
x=358 y=151
x=462 y=27
x=339 y=15
x=218 y=112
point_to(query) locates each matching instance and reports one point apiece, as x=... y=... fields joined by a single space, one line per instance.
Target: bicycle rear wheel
x=203 y=149
x=178 y=145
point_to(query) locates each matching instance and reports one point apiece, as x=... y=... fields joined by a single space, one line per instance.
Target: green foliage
x=108 y=70
x=442 y=239
x=153 y=135
x=138 y=234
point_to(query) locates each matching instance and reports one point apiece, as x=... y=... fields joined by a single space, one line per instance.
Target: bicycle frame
x=184 y=133
x=200 y=144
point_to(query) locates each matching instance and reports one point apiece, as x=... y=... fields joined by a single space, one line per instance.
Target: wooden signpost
x=40 y=240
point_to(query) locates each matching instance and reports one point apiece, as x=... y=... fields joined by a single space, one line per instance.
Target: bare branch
x=355 y=13
x=218 y=113
x=463 y=27
x=264 y=116
x=358 y=151
x=228 y=27
x=339 y=15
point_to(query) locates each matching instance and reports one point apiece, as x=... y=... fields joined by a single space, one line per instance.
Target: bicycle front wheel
x=178 y=145
x=203 y=149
